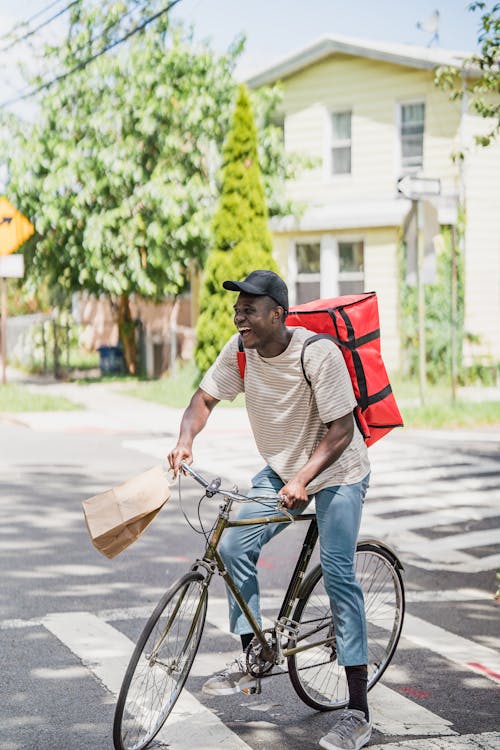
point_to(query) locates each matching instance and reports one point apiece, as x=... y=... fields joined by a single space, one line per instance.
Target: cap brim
x=245 y=287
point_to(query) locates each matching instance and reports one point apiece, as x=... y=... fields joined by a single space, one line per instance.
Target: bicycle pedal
x=254 y=690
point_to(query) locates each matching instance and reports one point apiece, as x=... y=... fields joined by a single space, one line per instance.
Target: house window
x=412 y=136
x=341 y=143
x=307 y=284
x=351 y=278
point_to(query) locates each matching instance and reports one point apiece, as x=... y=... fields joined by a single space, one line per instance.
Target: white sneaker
x=235 y=678
x=351 y=731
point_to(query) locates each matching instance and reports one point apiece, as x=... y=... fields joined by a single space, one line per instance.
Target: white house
x=369 y=114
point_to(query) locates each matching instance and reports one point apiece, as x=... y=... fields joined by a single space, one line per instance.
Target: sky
x=277 y=28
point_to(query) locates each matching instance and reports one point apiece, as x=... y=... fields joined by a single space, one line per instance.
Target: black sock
x=246 y=639
x=357 y=680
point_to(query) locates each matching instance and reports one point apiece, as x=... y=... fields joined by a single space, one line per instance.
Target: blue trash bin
x=111 y=360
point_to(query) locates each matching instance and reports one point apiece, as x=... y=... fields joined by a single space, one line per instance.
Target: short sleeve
x=330 y=380
x=222 y=380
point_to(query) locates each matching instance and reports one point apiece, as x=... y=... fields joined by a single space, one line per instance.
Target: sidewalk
x=226 y=445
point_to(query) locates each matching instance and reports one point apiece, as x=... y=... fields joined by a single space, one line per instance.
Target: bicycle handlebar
x=214 y=488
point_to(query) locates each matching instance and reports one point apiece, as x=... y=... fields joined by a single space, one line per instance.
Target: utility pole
x=422 y=368
x=416 y=189
x=454 y=314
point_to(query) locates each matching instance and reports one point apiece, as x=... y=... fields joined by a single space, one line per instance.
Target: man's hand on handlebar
x=179 y=454
x=294 y=494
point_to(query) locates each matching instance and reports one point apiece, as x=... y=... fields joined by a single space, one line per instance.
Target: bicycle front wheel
x=160 y=663
x=317 y=677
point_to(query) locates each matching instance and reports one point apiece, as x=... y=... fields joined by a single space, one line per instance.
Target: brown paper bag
x=116 y=518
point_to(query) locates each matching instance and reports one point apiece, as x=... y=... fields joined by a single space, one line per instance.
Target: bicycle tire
x=315 y=674
x=160 y=663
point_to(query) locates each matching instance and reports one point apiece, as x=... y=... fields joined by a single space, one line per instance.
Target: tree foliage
x=116 y=172
x=241 y=238
x=480 y=74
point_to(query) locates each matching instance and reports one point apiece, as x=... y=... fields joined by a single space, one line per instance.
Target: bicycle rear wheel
x=317 y=677
x=160 y=663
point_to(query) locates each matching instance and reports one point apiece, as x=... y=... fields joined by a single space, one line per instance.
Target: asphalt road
x=66 y=611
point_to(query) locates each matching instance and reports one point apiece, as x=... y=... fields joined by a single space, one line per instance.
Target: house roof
x=409 y=55
x=358 y=214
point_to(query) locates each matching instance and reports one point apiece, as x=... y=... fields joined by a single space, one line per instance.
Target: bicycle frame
x=212 y=562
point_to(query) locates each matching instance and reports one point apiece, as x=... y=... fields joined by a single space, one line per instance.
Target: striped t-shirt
x=287 y=415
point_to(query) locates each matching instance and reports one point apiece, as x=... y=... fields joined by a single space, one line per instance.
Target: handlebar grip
x=186 y=467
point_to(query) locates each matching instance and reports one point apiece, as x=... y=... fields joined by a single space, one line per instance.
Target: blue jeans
x=338 y=512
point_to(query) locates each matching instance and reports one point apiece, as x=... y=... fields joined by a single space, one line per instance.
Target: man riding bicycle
x=307 y=435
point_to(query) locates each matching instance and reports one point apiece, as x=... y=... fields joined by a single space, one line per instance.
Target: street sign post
x=14 y=230
x=417 y=189
x=11 y=266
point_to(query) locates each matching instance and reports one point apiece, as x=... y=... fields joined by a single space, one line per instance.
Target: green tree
x=117 y=170
x=241 y=238
x=479 y=76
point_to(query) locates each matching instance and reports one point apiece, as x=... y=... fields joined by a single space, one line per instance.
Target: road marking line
x=465 y=653
x=106 y=652
x=394 y=714
x=462 y=541
x=431 y=520
x=484 y=741
x=471 y=565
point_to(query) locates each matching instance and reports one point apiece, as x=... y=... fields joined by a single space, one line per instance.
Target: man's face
x=253 y=317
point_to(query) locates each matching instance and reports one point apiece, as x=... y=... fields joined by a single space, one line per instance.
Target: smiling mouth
x=244 y=331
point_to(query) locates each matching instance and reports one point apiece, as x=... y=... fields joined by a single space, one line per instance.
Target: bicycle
x=302 y=635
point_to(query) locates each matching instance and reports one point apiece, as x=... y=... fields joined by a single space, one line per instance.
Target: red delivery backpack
x=352 y=322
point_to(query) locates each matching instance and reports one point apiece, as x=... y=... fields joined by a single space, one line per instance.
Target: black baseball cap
x=260 y=284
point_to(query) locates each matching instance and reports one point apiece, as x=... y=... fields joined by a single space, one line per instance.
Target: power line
x=31 y=32
x=30 y=19
x=106 y=29
x=90 y=59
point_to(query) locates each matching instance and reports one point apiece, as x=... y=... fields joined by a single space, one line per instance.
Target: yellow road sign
x=14 y=228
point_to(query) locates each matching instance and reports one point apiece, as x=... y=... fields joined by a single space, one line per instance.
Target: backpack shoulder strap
x=241 y=356
x=311 y=340
x=357 y=410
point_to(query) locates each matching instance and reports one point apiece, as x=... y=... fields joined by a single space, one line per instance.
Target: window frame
x=351 y=275
x=401 y=169
x=330 y=275
x=332 y=143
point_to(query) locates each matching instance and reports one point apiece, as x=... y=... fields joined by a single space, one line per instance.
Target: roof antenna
x=431 y=26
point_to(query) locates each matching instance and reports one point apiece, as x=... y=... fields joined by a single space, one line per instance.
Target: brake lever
x=282 y=507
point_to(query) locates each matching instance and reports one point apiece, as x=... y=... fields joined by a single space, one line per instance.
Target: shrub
x=241 y=238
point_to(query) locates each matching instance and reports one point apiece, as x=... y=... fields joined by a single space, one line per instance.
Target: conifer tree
x=241 y=239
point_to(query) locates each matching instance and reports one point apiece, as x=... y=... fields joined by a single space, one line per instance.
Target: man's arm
x=193 y=421
x=328 y=450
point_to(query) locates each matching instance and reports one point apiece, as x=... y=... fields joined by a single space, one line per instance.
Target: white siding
x=482 y=242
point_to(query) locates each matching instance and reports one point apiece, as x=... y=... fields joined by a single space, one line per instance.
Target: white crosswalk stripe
x=484 y=741
x=106 y=652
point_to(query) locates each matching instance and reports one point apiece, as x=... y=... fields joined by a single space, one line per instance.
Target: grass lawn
x=175 y=390
x=16 y=398
x=442 y=415
x=439 y=411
